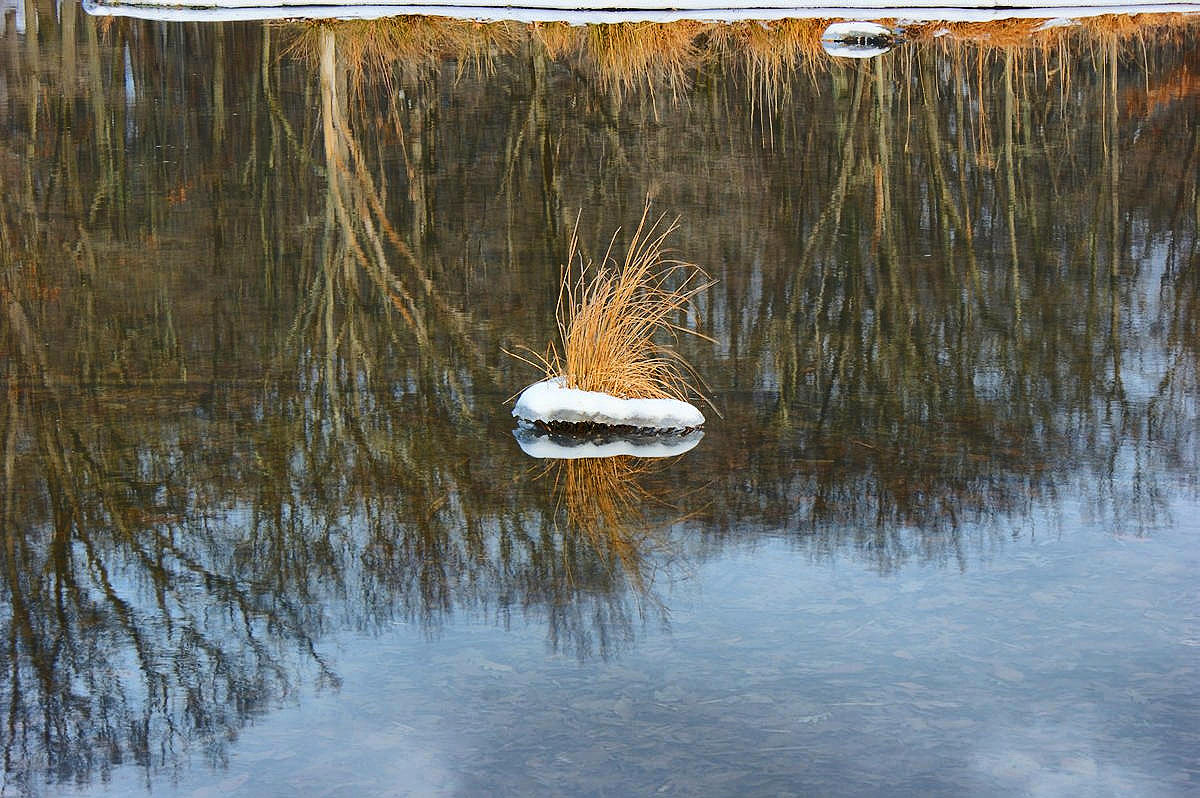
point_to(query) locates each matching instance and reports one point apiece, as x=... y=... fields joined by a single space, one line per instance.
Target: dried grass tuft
x=558 y=38
x=612 y=315
x=371 y=49
x=625 y=54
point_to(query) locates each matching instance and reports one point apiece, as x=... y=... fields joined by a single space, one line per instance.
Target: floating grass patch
x=615 y=363
x=611 y=315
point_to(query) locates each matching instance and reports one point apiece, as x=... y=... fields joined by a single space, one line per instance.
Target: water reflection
x=538 y=441
x=132 y=633
x=857 y=40
x=255 y=299
x=608 y=503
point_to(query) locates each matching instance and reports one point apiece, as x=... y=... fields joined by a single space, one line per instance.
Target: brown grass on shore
x=1034 y=34
x=1000 y=34
x=769 y=50
x=628 y=54
x=370 y=48
x=558 y=38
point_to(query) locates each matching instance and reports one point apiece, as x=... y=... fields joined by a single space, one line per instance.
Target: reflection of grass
x=606 y=503
x=610 y=313
x=624 y=55
x=628 y=52
x=770 y=50
x=609 y=505
x=1033 y=34
x=369 y=48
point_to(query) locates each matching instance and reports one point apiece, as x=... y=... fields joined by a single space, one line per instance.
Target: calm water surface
x=267 y=531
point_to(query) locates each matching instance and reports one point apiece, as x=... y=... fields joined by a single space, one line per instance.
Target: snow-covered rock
x=857 y=39
x=547 y=445
x=550 y=402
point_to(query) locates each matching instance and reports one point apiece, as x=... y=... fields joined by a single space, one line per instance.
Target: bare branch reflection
x=253 y=301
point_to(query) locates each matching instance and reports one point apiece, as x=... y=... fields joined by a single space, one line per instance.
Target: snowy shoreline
x=602 y=11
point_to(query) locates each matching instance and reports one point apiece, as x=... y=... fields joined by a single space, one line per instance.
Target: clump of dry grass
x=771 y=50
x=370 y=49
x=610 y=314
x=559 y=38
x=1032 y=34
x=613 y=314
x=624 y=54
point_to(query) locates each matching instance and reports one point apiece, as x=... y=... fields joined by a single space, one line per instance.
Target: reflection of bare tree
x=182 y=525
x=366 y=245
x=381 y=426
x=920 y=360
x=124 y=636
x=609 y=527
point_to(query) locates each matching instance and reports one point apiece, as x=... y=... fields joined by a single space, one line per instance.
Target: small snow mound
x=841 y=31
x=551 y=402
x=857 y=39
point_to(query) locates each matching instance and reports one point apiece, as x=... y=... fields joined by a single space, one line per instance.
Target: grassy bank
x=624 y=55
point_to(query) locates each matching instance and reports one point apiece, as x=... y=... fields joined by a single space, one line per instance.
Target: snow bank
x=607 y=12
x=550 y=401
x=548 y=445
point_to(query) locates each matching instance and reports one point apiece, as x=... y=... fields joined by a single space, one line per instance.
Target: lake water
x=266 y=527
